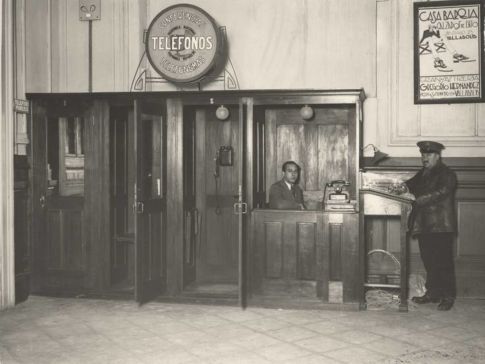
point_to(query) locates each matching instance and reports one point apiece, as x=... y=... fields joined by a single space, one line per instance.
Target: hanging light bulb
x=306 y=112
x=222 y=113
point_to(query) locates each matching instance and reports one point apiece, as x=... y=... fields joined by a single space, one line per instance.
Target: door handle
x=240 y=208
x=42 y=201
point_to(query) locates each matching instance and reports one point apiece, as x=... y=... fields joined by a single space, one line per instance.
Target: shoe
x=446 y=304
x=425 y=299
x=438 y=63
x=459 y=57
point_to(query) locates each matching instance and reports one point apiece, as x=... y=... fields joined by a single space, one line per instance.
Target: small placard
x=21 y=106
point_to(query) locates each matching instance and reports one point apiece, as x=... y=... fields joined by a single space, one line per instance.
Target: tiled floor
x=60 y=330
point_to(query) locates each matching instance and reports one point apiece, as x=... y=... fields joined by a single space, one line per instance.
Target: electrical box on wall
x=89 y=10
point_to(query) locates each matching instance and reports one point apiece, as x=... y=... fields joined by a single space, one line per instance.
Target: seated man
x=286 y=194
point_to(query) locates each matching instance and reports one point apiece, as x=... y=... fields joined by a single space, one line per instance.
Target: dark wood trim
x=97 y=197
x=283 y=96
x=414 y=163
x=175 y=196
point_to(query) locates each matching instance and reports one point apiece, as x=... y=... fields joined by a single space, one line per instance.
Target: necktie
x=293 y=191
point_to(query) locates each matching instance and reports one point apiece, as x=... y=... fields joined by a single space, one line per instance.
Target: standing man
x=432 y=221
x=286 y=194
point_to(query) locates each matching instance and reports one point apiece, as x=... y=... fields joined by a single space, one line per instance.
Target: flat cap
x=427 y=146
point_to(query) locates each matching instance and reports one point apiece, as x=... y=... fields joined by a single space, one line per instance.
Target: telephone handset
x=224 y=157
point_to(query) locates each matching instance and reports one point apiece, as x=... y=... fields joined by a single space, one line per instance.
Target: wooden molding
x=7 y=269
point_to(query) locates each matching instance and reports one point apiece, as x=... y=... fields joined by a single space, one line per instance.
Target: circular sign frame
x=183 y=43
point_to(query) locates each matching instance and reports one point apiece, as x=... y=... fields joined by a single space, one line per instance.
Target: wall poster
x=448 y=52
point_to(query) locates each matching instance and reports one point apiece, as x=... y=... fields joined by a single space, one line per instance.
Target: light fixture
x=306 y=112
x=378 y=155
x=222 y=113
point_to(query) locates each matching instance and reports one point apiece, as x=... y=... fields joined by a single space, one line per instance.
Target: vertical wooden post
x=175 y=196
x=97 y=196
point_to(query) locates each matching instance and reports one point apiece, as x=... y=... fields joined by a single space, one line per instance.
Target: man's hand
x=397 y=188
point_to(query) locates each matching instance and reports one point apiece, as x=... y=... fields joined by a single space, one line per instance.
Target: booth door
x=58 y=237
x=150 y=150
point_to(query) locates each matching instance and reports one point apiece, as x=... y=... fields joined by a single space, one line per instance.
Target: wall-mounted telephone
x=224 y=157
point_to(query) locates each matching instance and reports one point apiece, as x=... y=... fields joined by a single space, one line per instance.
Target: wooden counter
x=314 y=254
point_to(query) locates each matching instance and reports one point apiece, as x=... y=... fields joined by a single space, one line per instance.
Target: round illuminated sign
x=182 y=43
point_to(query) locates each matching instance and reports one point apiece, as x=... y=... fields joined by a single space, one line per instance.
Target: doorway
x=138 y=199
x=59 y=255
x=211 y=181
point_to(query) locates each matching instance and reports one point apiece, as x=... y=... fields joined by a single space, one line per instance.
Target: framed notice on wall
x=448 y=52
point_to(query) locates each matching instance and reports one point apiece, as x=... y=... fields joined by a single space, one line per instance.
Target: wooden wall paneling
x=175 y=216
x=237 y=143
x=122 y=182
x=362 y=259
x=471 y=235
x=306 y=251
x=273 y=171
x=335 y=244
x=248 y=176
x=353 y=150
x=289 y=257
x=221 y=249
x=66 y=240
x=333 y=152
x=393 y=232
x=257 y=252
x=321 y=255
x=97 y=195
x=72 y=251
x=54 y=223
x=326 y=259
x=350 y=258
x=38 y=46
x=310 y=147
x=290 y=142
x=375 y=232
x=201 y=186
x=38 y=188
x=22 y=228
x=131 y=171
x=274 y=249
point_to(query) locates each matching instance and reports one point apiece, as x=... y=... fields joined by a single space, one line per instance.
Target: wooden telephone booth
x=156 y=195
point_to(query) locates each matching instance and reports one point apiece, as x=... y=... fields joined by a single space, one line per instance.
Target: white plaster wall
x=274 y=44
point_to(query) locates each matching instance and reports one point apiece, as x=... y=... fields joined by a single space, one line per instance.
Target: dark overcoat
x=434 y=208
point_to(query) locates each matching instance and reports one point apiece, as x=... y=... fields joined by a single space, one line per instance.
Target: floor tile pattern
x=80 y=330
